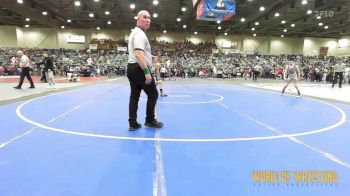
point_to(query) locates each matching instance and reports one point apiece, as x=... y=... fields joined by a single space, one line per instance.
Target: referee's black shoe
x=134 y=125
x=154 y=124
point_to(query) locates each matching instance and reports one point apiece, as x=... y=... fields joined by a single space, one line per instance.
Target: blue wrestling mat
x=218 y=139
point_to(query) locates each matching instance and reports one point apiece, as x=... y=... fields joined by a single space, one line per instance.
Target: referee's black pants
x=339 y=76
x=255 y=75
x=137 y=83
x=25 y=73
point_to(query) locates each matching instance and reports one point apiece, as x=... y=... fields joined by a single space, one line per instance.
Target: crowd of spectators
x=178 y=59
x=85 y=62
x=165 y=48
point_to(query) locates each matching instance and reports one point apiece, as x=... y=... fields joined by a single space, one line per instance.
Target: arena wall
x=256 y=44
x=286 y=45
x=108 y=34
x=196 y=39
x=8 y=36
x=12 y=36
x=36 y=38
x=168 y=37
x=312 y=46
x=62 y=36
x=343 y=47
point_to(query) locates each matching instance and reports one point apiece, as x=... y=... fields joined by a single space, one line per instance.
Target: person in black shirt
x=49 y=70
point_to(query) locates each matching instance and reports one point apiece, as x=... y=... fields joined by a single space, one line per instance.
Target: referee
x=339 y=69
x=24 y=64
x=139 y=75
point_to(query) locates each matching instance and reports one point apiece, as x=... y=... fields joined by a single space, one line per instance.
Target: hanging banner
x=323 y=51
x=215 y=51
x=221 y=6
x=123 y=49
x=93 y=46
x=216 y=10
x=76 y=39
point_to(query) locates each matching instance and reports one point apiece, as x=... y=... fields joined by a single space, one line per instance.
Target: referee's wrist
x=146 y=70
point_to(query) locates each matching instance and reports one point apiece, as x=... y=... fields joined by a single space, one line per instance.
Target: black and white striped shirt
x=24 y=61
x=139 y=41
x=339 y=67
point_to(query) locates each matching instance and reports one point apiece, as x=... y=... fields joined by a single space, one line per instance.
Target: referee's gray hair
x=140 y=12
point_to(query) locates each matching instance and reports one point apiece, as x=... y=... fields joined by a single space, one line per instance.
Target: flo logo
x=324 y=13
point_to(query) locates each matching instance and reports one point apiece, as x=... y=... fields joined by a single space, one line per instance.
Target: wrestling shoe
x=134 y=125
x=154 y=124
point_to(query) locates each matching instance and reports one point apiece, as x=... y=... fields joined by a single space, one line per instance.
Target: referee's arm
x=141 y=60
x=140 y=57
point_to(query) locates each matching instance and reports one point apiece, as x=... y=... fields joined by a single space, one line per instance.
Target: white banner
x=76 y=39
x=123 y=49
x=215 y=51
x=226 y=44
x=229 y=44
x=93 y=46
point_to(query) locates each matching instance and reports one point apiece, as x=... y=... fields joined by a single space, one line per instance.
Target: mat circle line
x=24 y=118
x=220 y=98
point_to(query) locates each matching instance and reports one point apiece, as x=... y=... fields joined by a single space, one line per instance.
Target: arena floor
x=221 y=137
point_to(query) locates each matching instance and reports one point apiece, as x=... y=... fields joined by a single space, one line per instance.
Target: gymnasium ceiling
x=336 y=16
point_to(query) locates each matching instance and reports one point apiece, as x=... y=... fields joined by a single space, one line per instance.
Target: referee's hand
x=148 y=79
